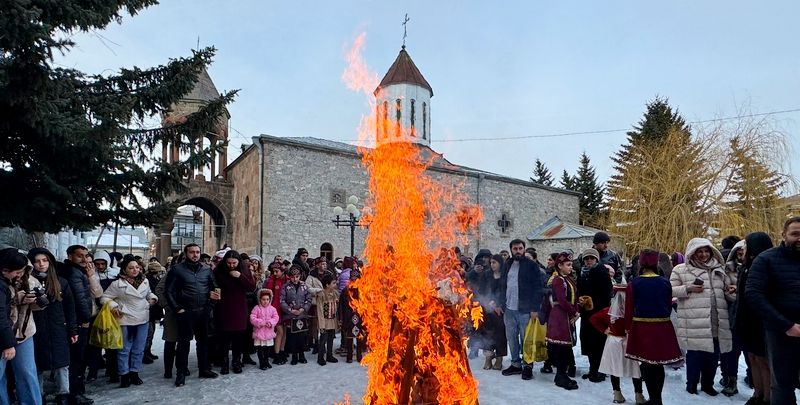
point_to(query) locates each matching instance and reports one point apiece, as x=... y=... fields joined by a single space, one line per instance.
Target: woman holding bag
x=129 y=298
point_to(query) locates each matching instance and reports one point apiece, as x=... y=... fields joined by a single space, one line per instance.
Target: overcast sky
x=521 y=69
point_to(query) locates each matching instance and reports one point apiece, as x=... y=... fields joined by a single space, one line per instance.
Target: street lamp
x=352 y=220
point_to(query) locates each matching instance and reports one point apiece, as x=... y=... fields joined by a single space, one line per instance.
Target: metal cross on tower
x=405 y=29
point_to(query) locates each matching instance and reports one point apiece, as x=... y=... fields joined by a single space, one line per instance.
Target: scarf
x=711 y=264
x=135 y=282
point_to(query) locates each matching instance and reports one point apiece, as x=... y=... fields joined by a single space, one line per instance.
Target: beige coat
x=327 y=303
x=19 y=311
x=694 y=327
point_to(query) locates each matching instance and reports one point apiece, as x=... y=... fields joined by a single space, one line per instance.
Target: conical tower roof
x=204 y=89
x=403 y=70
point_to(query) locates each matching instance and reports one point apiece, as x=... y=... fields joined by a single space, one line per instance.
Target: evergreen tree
x=567 y=182
x=541 y=174
x=76 y=149
x=591 y=199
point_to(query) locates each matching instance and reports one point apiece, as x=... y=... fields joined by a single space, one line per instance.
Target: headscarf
x=617 y=309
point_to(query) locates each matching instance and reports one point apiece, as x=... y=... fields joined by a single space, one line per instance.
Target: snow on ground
x=311 y=384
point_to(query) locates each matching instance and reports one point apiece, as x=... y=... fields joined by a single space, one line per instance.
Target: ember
x=412 y=299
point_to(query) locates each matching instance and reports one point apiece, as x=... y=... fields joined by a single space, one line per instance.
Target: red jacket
x=601 y=321
x=275 y=284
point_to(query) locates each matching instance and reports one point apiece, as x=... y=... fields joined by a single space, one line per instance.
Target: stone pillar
x=165 y=240
x=213 y=159
x=223 y=161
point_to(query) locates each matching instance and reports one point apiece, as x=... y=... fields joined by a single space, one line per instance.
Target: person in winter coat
x=773 y=287
x=190 y=291
x=348 y=264
x=84 y=283
x=593 y=282
x=562 y=312
x=703 y=291
x=327 y=308
x=492 y=330
x=130 y=298
x=106 y=274
x=17 y=300
x=295 y=304
x=748 y=326
x=611 y=322
x=353 y=333
x=155 y=272
x=274 y=283
x=264 y=318
x=651 y=337
x=314 y=285
x=301 y=259
x=235 y=280
x=729 y=362
x=169 y=331
x=55 y=325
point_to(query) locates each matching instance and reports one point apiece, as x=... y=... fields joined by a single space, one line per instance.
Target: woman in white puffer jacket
x=703 y=290
x=130 y=298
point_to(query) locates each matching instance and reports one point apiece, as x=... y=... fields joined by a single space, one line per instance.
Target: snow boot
x=731 y=388
x=302 y=358
x=226 y=366
x=237 y=365
x=267 y=350
x=487 y=363
x=133 y=377
x=498 y=363
x=527 y=372
x=565 y=382
x=640 y=398
x=294 y=359
x=618 y=397
x=125 y=381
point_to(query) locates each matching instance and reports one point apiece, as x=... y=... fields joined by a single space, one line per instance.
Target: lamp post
x=352 y=220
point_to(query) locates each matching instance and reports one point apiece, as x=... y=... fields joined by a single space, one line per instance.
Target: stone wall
x=300 y=183
x=244 y=174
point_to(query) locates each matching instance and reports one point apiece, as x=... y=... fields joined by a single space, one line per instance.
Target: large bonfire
x=413 y=301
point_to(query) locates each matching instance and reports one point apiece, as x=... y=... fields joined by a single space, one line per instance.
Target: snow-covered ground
x=311 y=384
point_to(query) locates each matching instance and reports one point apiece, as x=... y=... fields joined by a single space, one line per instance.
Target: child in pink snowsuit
x=264 y=317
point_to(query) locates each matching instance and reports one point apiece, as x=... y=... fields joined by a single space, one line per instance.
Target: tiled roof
x=204 y=89
x=403 y=70
x=554 y=228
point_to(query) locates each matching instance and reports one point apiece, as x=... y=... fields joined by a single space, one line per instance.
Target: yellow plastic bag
x=534 y=347
x=106 y=332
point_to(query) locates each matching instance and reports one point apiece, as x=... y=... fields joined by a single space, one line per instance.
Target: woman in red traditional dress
x=651 y=336
x=563 y=313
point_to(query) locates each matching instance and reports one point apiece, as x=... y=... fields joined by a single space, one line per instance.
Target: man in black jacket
x=772 y=289
x=78 y=270
x=190 y=290
x=520 y=303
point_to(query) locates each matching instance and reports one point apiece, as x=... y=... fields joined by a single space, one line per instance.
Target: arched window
x=246 y=210
x=385 y=123
x=424 y=120
x=398 y=105
x=413 y=116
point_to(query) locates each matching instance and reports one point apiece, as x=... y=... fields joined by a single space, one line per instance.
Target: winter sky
x=498 y=69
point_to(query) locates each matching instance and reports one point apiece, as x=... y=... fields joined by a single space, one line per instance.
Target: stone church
x=284 y=189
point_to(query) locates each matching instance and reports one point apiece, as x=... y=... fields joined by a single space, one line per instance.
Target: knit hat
x=295 y=270
x=483 y=253
x=319 y=260
x=275 y=265
x=591 y=253
x=302 y=251
x=256 y=258
x=601 y=237
x=648 y=259
x=563 y=257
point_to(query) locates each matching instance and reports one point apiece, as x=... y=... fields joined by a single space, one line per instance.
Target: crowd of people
x=699 y=309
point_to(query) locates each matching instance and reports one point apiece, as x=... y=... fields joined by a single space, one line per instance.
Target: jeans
x=702 y=366
x=58 y=377
x=515 y=322
x=26 y=379
x=784 y=361
x=129 y=358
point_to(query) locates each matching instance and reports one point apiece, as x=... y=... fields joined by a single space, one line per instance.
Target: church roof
x=403 y=70
x=204 y=89
x=555 y=228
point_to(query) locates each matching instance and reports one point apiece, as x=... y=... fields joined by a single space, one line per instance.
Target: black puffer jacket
x=79 y=285
x=54 y=326
x=772 y=286
x=7 y=338
x=187 y=287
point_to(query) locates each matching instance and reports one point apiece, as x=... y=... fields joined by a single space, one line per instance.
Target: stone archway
x=215 y=197
x=326 y=250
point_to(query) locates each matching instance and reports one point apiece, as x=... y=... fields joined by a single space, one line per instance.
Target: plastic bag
x=534 y=347
x=106 y=332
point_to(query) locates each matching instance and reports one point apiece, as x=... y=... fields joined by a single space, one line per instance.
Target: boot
x=169 y=358
x=730 y=387
x=280 y=358
x=302 y=358
x=147 y=359
x=61 y=399
x=267 y=351
x=618 y=397
x=294 y=359
x=565 y=382
x=487 y=363
x=134 y=379
x=572 y=371
x=180 y=380
x=527 y=372
x=329 y=357
x=640 y=398
x=226 y=366
x=125 y=381
x=152 y=356
x=246 y=359
x=237 y=365
x=260 y=354
x=498 y=363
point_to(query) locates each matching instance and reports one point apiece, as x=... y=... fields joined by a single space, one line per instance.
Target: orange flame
x=413 y=300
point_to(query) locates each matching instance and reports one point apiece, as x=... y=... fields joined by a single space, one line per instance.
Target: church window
x=413 y=116
x=398 y=105
x=424 y=120
x=246 y=210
